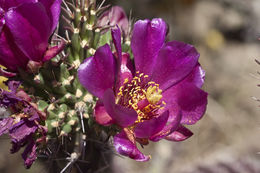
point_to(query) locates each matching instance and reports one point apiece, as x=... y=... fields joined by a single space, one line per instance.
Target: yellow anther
x=147 y=109
x=146 y=76
x=131 y=91
x=151 y=90
x=153 y=94
x=151 y=82
x=126 y=80
x=135 y=106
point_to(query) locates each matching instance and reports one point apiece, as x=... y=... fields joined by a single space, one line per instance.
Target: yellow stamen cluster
x=139 y=89
x=154 y=94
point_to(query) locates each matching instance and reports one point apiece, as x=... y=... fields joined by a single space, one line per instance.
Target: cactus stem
x=61 y=115
x=93 y=12
x=92 y=51
x=51 y=107
x=72 y=122
x=76 y=63
x=97 y=30
x=88 y=98
x=68 y=95
x=71 y=113
x=67 y=36
x=82 y=122
x=78 y=93
x=68 y=81
x=84 y=43
x=102 y=3
x=67 y=7
x=55 y=124
x=89 y=27
x=76 y=31
x=86 y=115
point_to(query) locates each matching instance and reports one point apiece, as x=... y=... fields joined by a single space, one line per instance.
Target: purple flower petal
x=126 y=71
x=100 y=114
x=13 y=85
x=29 y=154
x=197 y=76
x=121 y=115
x=147 y=39
x=127 y=148
x=16 y=146
x=2 y=20
x=116 y=35
x=21 y=130
x=171 y=125
x=181 y=134
x=150 y=127
x=175 y=61
x=9 y=49
x=5 y=73
x=6 y=4
x=10 y=99
x=97 y=73
x=5 y=125
x=32 y=37
x=191 y=100
x=53 y=51
x=53 y=10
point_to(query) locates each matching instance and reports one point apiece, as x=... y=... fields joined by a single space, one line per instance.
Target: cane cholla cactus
x=69 y=107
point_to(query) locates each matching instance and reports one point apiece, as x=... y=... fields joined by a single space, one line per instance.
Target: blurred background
x=227 y=138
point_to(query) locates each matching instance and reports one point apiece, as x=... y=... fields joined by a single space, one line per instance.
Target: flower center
x=142 y=95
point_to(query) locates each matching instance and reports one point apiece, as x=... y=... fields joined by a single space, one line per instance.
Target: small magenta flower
x=151 y=99
x=25 y=28
x=114 y=16
x=23 y=125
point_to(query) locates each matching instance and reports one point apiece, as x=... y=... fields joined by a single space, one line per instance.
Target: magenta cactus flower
x=114 y=16
x=23 y=125
x=152 y=98
x=25 y=28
